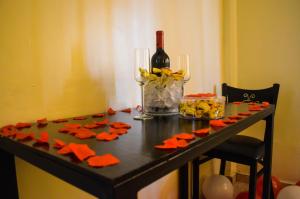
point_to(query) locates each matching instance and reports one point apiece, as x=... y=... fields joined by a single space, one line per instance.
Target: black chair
x=240 y=148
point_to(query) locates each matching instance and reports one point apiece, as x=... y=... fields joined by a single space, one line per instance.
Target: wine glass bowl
x=183 y=65
x=141 y=68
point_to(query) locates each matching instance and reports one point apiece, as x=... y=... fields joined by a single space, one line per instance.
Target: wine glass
x=141 y=66
x=183 y=64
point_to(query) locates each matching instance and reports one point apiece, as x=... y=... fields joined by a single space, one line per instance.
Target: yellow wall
x=266 y=51
x=72 y=57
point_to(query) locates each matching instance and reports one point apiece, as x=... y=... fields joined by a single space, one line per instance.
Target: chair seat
x=239 y=148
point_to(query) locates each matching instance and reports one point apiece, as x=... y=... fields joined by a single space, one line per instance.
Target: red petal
x=255 y=108
x=182 y=143
x=111 y=111
x=99 y=115
x=201 y=132
x=251 y=103
x=20 y=136
x=107 y=136
x=74 y=126
x=230 y=121
x=103 y=160
x=79 y=118
x=165 y=146
x=84 y=134
x=42 y=121
x=117 y=131
x=58 y=144
x=185 y=136
x=102 y=123
x=120 y=125
x=65 y=150
x=217 y=123
x=60 y=120
x=81 y=151
x=245 y=114
x=44 y=137
x=265 y=104
x=91 y=126
x=126 y=110
x=21 y=125
x=235 y=117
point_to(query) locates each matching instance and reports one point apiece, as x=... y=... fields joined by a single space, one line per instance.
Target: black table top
x=136 y=148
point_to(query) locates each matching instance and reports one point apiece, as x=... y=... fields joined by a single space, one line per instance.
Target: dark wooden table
x=141 y=164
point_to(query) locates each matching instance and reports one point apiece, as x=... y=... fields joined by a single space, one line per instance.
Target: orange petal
x=217 y=123
x=103 y=160
x=80 y=118
x=20 y=136
x=44 y=137
x=60 y=120
x=235 y=117
x=111 y=111
x=65 y=150
x=81 y=151
x=230 y=121
x=182 y=143
x=98 y=115
x=102 y=123
x=126 y=110
x=120 y=125
x=107 y=136
x=201 y=132
x=75 y=126
x=185 y=136
x=91 y=126
x=21 y=125
x=58 y=144
x=117 y=131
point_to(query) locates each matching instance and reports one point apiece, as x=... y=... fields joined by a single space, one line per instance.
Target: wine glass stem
x=142 y=97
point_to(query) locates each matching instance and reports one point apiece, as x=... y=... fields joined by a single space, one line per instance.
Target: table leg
x=268 y=158
x=9 y=186
x=195 y=177
x=184 y=182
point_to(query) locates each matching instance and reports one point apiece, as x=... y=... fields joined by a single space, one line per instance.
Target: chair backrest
x=237 y=94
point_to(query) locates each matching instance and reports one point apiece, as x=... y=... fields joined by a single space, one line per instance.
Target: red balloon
x=298 y=183
x=275 y=183
x=245 y=195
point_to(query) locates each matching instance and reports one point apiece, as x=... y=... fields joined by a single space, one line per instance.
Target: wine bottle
x=160 y=59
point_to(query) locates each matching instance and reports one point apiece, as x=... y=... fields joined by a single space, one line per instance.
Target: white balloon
x=289 y=192
x=216 y=187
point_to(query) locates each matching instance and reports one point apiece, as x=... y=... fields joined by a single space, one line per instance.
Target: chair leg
x=195 y=177
x=252 y=181
x=222 y=166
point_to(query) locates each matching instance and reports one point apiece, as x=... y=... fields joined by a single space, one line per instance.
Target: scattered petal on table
x=103 y=160
x=120 y=125
x=44 y=138
x=84 y=133
x=21 y=125
x=107 y=136
x=117 y=131
x=102 y=123
x=65 y=150
x=235 y=117
x=265 y=104
x=230 y=121
x=80 y=118
x=254 y=108
x=98 y=115
x=91 y=126
x=81 y=151
x=184 y=136
x=111 y=111
x=42 y=122
x=126 y=110
x=59 y=144
x=217 y=123
x=201 y=132
x=60 y=120
x=74 y=126
x=20 y=136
